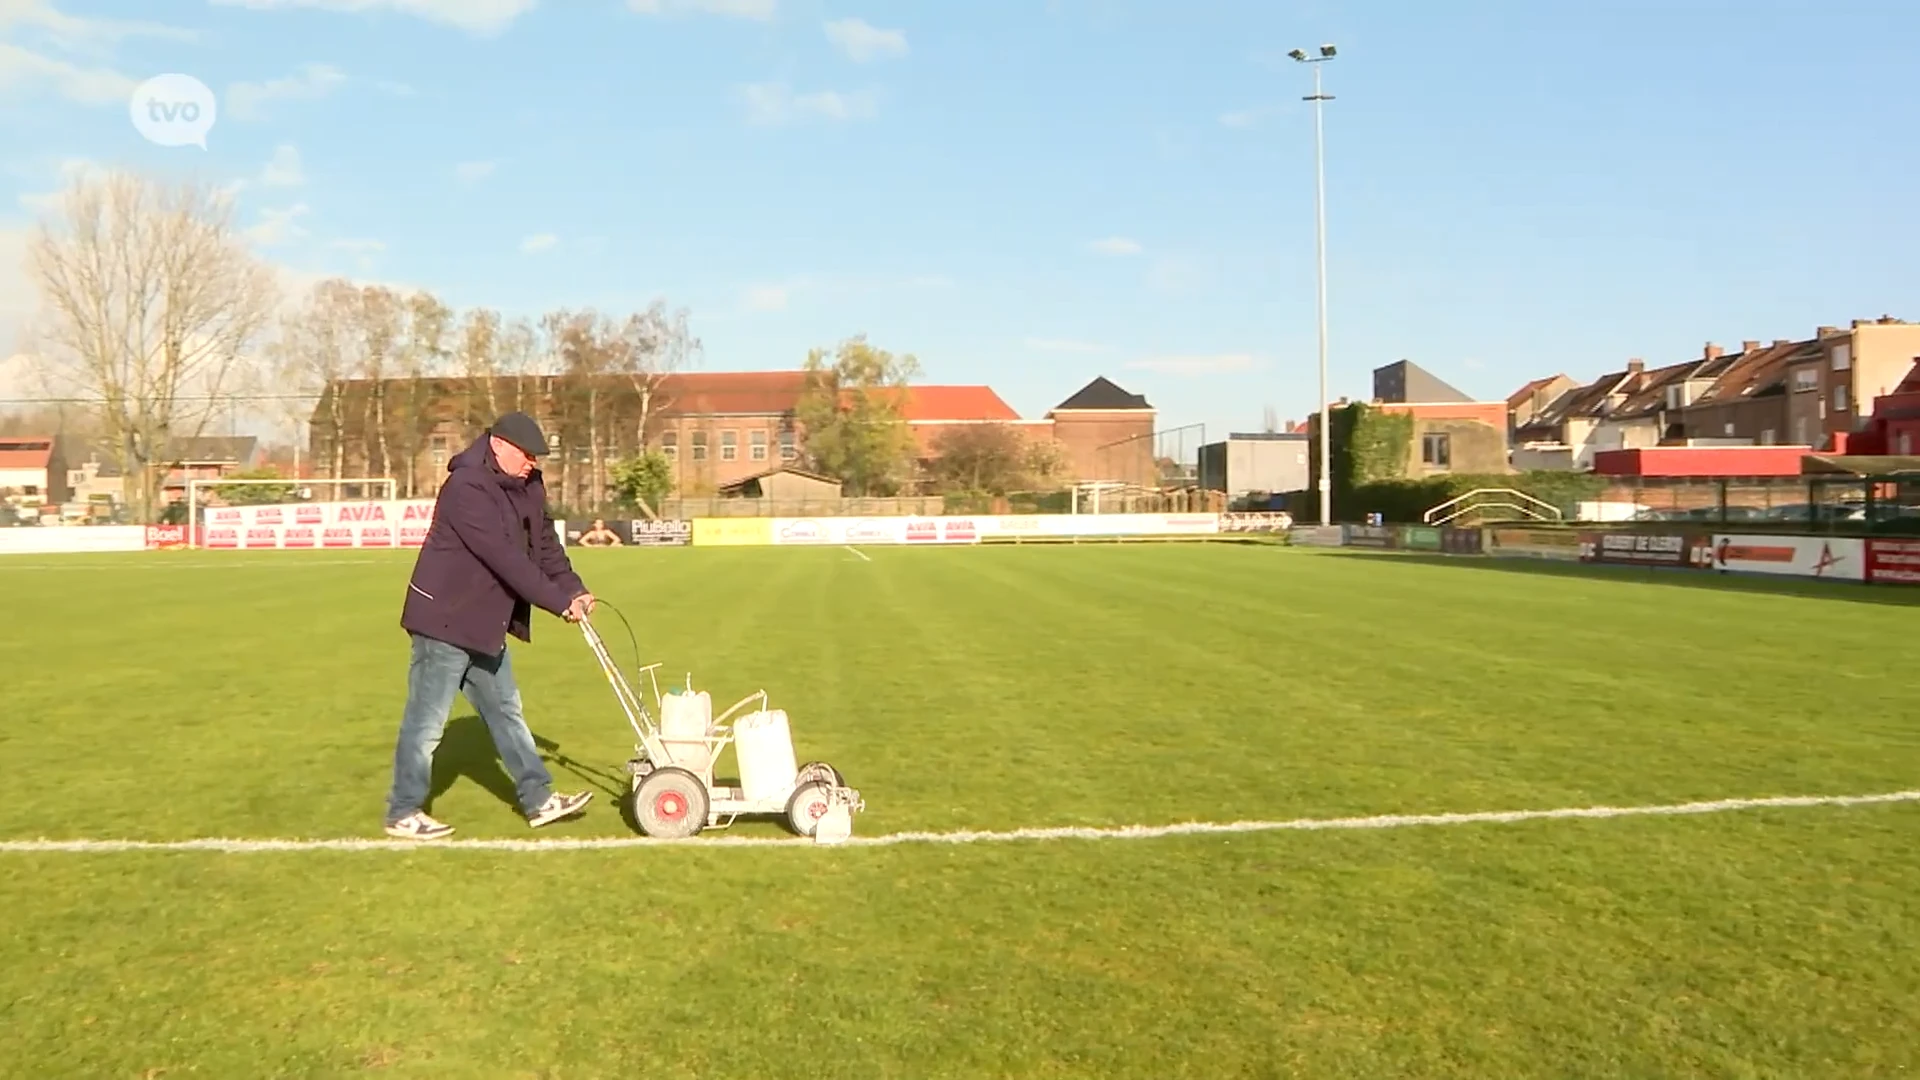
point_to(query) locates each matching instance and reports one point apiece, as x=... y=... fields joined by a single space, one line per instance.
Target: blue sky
x=1028 y=193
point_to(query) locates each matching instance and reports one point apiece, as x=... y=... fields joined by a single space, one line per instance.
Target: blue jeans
x=437 y=674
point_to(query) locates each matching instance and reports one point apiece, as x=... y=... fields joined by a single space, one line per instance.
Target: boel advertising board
x=1689 y=550
x=1522 y=543
x=1893 y=562
x=1419 y=538
x=1838 y=558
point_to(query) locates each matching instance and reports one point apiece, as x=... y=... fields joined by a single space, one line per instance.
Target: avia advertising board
x=1838 y=558
x=1691 y=550
x=1893 y=562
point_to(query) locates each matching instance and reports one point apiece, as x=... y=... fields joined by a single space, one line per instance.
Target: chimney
x=1711 y=352
x=1749 y=346
x=1828 y=331
x=1780 y=341
x=1635 y=366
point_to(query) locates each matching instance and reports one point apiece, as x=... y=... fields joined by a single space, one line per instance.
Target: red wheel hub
x=670 y=805
x=817 y=809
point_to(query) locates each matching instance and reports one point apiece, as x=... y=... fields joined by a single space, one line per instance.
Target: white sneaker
x=559 y=806
x=418 y=826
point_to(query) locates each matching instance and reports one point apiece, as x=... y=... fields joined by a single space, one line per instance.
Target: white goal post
x=303 y=486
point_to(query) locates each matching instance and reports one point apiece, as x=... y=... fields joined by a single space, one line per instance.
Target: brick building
x=717 y=428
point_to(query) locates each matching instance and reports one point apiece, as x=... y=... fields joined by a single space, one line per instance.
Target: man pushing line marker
x=490 y=557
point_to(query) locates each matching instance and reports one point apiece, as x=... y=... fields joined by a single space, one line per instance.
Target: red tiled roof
x=1757 y=371
x=30 y=452
x=925 y=403
x=1910 y=384
x=737 y=392
x=1521 y=396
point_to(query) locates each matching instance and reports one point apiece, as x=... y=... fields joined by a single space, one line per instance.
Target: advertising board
x=625 y=533
x=963 y=529
x=1457 y=540
x=1838 y=558
x=1893 y=562
x=1256 y=522
x=1419 y=538
x=1370 y=536
x=1524 y=543
x=318 y=526
x=1691 y=550
x=71 y=539
x=1318 y=535
x=732 y=532
x=166 y=537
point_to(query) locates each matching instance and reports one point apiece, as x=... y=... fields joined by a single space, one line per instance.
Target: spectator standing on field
x=489 y=559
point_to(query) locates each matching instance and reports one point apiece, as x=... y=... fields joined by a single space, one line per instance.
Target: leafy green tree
x=985 y=458
x=852 y=415
x=255 y=494
x=642 y=480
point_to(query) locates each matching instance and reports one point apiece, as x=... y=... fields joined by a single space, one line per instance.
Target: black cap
x=520 y=429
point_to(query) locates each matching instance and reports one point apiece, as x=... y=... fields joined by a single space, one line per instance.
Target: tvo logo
x=173 y=110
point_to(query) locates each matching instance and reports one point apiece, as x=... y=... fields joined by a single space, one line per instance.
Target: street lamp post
x=1327 y=52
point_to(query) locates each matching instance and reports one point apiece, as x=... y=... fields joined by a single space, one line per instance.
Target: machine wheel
x=820 y=770
x=807 y=806
x=670 y=804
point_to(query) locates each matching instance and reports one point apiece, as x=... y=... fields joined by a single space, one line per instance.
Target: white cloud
x=68 y=172
x=862 y=41
x=23 y=72
x=766 y=298
x=475 y=16
x=1241 y=118
x=78 y=33
x=539 y=242
x=755 y=10
x=397 y=89
x=284 y=169
x=1177 y=275
x=1064 y=345
x=1217 y=364
x=472 y=172
x=776 y=103
x=359 y=246
x=248 y=100
x=1116 y=245
x=277 y=227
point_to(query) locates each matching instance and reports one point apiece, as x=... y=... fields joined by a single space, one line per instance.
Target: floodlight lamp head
x=1298 y=54
x=1327 y=51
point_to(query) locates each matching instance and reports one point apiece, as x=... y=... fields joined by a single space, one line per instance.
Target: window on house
x=757 y=445
x=729 y=445
x=788 y=451
x=1800 y=432
x=670 y=445
x=1436 y=449
x=1806 y=378
x=1840 y=398
x=1766 y=437
x=1842 y=357
x=1905 y=445
x=699 y=446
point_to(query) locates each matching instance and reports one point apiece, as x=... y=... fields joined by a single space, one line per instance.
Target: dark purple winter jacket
x=490 y=557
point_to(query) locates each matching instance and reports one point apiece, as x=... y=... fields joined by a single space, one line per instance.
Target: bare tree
x=644 y=349
x=478 y=357
x=377 y=331
x=315 y=356
x=150 y=304
x=423 y=357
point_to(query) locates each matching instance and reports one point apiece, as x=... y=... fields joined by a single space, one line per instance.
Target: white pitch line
x=863 y=555
x=1071 y=832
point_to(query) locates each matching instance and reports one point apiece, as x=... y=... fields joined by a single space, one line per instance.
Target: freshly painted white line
x=236 y=564
x=1071 y=832
x=863 y=555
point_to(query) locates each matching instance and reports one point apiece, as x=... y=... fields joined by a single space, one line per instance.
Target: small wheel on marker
x=807 y=806
x=820 y=770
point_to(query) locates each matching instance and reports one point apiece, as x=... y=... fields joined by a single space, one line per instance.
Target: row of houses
x=1843 y=390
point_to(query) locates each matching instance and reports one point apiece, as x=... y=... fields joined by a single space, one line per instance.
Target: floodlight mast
x=1327 y=52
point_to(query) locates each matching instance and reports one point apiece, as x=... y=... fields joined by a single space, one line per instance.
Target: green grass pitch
x=171 y=696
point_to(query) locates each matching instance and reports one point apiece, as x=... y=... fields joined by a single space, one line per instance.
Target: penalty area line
x=863 y=555
x=1073 y=832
